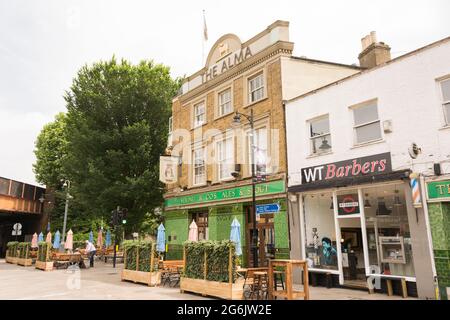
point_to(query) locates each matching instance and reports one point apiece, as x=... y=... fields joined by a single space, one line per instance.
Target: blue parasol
x=108 y=239
x=57 y=240
x=91 y=237
x=235 y=235
x=161 y=239
x=41 y=237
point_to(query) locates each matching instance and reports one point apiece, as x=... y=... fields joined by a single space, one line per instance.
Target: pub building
x=207 y=165
x=369 y=171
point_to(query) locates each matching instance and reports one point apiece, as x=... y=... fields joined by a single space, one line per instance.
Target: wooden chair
x=250 y=286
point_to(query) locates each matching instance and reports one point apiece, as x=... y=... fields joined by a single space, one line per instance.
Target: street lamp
x=236 y=123
x=66 y=185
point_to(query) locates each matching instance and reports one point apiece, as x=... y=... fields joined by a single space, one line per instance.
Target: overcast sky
x=43 y=44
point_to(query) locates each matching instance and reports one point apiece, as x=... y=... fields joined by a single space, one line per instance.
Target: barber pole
x=417 y=200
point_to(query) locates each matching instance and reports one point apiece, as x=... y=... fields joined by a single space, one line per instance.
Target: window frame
x=220 y=162
x=194 y=114
x=373 y=102
x=194 y=166
x=230 y=101
x=444 y=103
x=311 y=138
x=249 y=150
x=262 y=87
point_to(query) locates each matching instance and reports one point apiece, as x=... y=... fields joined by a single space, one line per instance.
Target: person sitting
x=90 y=251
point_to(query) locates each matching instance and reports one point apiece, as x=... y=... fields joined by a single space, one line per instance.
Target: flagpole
x=204 y=38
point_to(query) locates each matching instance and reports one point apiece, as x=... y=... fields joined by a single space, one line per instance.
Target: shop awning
x=346 y=182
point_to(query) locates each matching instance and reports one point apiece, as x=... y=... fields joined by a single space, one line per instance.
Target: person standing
x=90 y=251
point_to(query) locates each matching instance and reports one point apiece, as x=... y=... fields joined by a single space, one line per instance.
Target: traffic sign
x=268 y=208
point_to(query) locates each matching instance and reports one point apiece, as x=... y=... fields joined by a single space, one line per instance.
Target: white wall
x=301 y=76
x=407 y=93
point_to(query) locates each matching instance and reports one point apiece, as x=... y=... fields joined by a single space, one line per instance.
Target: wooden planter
x=45 y=266
x=148 y=278
x=152 y=278
x=223 y=290
x=26 y=262
x=12 y=260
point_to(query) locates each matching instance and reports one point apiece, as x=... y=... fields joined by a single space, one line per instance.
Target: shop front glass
x=320 y=232
x=388 y=234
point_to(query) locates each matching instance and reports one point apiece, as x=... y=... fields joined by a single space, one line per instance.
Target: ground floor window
x=201 y=219
x=319 y=231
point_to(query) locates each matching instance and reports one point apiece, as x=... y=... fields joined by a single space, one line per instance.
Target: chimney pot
x=373 y=52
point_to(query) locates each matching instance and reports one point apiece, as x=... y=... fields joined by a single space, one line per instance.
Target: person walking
x=91 y=251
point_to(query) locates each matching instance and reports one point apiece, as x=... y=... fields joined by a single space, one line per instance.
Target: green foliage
x=142 y=251
x=43 y=249
x=12 y=248
x=24 y=249
x=108 y=144
x=217 y=260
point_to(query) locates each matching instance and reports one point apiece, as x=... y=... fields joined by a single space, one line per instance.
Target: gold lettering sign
x=226 y=64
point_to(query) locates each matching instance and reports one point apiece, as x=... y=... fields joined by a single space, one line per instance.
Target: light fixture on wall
x=324 y=146
x=366 y=202
x=382 y=209
x=397 y=201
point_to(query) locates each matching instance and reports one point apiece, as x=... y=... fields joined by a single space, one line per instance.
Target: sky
x=44 y=43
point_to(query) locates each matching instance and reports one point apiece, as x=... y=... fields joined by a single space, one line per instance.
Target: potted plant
x=24 y=258
x=141 y=263
x=11 y=252
x=43 y=261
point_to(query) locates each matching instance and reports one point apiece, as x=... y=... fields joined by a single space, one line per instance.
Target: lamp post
x=237 y=122
x=66 y=209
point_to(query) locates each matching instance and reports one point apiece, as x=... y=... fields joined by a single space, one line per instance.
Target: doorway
x=201 y=219
x=266 y=238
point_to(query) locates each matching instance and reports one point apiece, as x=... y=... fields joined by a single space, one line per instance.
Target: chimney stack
x=373 y=53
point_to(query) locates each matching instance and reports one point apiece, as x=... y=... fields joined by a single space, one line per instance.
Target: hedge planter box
x=223 y=290
x=210 y=270
x=45 y=266
x=25 y=262
x=148 y=278
x=12 y=260
x=141 y=263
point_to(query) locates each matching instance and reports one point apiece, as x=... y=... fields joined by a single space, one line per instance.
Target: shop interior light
x=324 y=146
x=366 y=202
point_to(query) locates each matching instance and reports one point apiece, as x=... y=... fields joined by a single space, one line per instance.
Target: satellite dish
x=414 y=151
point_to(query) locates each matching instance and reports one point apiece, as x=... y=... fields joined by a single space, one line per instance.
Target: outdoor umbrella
x=100 y=238
x=193 y=232
x=48 y=239
x=161 y=239
x=34 y=241
x=91 y=237
x=57 y=240
x=235 y=235
x=69 y=240
x=41 y=237
x=108 y=239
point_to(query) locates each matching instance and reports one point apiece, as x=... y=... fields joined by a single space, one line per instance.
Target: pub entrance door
x=266 y=238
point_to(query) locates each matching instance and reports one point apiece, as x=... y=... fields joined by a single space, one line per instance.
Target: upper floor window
x=256 y=88
x=319 y=134
x=225 y=158
x=225 y=102
x=261 y=150
x=367 y=126
x=445 y=87
x=199 y=166
x=199 y=114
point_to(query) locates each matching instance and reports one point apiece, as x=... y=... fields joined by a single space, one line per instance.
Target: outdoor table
x=242 y=272
x=289 y=293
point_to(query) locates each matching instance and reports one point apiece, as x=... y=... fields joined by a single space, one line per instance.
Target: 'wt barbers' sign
x=365 y=166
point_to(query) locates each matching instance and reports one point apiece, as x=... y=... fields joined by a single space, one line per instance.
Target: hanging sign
x=267 y=208
x=439 y=190
x=168 y=169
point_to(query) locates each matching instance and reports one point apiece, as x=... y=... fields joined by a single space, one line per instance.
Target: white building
x=351 y=148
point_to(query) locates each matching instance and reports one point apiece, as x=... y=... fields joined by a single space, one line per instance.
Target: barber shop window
x=320 y=137
x=367 y=126
x=320 y=232
x=445 y=87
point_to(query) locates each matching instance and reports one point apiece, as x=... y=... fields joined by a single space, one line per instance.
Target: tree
x=117 y=126
x=51 y=151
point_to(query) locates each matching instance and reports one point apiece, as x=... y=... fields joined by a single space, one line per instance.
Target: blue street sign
x=267 y=208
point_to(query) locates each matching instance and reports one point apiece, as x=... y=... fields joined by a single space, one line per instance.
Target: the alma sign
x=365 y=166
x=226 y=63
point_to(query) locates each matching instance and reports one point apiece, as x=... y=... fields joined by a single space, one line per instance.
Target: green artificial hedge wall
x=43 y=248
x=217 y=260
x=12 y=248
x=24 y=249
x=138 y=255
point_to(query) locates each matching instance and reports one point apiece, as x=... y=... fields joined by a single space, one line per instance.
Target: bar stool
x=278 y=279
x=259 y=284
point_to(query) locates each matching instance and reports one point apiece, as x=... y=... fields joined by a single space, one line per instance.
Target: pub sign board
x=353 y=168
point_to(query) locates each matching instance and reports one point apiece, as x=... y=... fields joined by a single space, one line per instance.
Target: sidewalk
x=103 y=282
